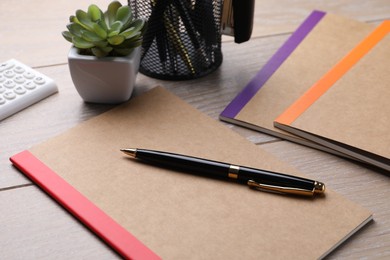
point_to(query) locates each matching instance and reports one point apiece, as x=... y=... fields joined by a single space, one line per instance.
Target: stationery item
x=155 y=18
x=207 y=27
x=21 y=86
x=183 y=39
x=139 y=209
x=348 y=109
x=237 y=19
x=254 y=178
x=317 y=45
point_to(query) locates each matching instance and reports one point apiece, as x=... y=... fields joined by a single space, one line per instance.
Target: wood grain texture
x=34 y=226
x=35 y=37
x=278 y=17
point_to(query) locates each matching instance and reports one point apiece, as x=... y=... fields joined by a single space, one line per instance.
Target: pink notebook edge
x=111 y=232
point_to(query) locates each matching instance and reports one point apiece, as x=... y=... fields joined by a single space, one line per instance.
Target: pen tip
x=130 y=152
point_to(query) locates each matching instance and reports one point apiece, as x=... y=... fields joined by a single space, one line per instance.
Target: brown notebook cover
x=348 y=109
x=317 y=45
x=177 y=215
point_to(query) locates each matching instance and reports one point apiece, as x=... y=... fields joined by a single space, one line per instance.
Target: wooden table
x=33 y=226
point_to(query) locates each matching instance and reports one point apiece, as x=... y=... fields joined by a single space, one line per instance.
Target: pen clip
x=279 y=189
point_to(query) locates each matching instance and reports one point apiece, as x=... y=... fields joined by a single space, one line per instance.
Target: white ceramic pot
x=108 y=80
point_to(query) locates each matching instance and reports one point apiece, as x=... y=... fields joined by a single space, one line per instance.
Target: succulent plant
x=112 y=33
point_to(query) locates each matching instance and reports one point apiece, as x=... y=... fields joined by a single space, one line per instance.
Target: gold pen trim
x=233 y=171
x=319 y=188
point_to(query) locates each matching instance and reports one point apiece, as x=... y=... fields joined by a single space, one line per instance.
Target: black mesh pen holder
x=183 y=37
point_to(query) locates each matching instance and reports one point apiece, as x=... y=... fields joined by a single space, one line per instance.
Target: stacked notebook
x=326 y=87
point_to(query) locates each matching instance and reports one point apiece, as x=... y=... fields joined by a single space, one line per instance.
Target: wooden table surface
x=33 y=226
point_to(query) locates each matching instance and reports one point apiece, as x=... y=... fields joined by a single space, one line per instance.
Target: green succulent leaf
x=99 y=30
x=110 y=14
x=116 y=39
x=81 y=43
x=101 y=52
x=139 y=25
x=67 y=35
x=124 y=15
x=107 y=49
x=115 y=28
x=94 y=13
x=84 y=20
x=101 y=44
x=102 y=23
x=75 y=29
x=71 y=18
x=129 y=33
x=90 y=36
x=130 y=44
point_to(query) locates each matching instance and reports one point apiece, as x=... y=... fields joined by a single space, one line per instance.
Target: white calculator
x=22 y=86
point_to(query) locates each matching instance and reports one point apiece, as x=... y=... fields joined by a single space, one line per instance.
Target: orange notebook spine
x=327 y=81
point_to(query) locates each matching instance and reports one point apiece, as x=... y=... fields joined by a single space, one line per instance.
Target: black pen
x=154 y=23
x=255 y=178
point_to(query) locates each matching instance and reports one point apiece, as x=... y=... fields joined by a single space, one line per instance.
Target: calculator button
x=29 y=85
x=19 y=90
x=19 y=79
x=9 y=73
x=9 y=95
x=29 y=75
x=9 y=84
x=6 y=65
x=19 y=69
x=2 y=89
x=39 y=80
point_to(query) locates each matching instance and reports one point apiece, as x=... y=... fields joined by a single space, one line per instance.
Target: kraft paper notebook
x=317 y=45
x=146 y=212
x=348 y=109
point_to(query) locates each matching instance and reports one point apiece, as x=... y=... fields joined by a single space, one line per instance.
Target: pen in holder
x=183 y=37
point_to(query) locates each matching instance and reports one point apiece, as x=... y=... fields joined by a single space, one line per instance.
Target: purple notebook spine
x=272 y=65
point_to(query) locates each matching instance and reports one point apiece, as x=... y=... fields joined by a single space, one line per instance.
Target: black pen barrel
x=255 y=178
x=185 y=163
x=221 y=170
